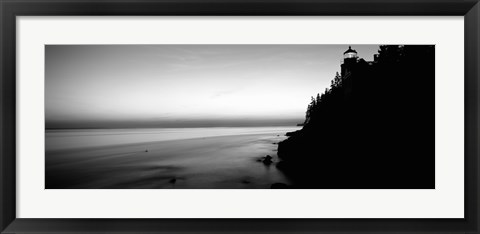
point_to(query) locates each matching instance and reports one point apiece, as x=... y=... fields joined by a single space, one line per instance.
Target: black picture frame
x=11 y=8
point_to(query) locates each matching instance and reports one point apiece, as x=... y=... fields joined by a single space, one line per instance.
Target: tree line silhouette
x=373 y=128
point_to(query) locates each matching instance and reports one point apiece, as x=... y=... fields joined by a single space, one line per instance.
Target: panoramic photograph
x=240 y=116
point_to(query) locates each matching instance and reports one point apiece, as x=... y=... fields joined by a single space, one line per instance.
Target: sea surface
x=163 y=158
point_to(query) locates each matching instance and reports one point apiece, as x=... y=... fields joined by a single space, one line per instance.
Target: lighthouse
x=349 y=60
x=350 y=54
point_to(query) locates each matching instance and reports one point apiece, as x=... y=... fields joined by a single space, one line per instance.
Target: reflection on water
x=206 y=158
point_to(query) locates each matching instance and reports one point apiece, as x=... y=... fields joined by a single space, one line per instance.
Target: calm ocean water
x=82 y=138
x=204 y=158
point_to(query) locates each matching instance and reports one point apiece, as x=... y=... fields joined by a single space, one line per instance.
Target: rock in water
x=267 y=160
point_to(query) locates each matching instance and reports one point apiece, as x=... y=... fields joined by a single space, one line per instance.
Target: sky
x=120 y=86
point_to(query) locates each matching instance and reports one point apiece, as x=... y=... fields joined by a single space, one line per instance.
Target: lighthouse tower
x=350 y=54
x=349 y=60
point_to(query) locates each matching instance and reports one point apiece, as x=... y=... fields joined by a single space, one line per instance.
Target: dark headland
x=374 y=128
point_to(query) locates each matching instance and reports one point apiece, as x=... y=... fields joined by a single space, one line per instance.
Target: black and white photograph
x=240 y=116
